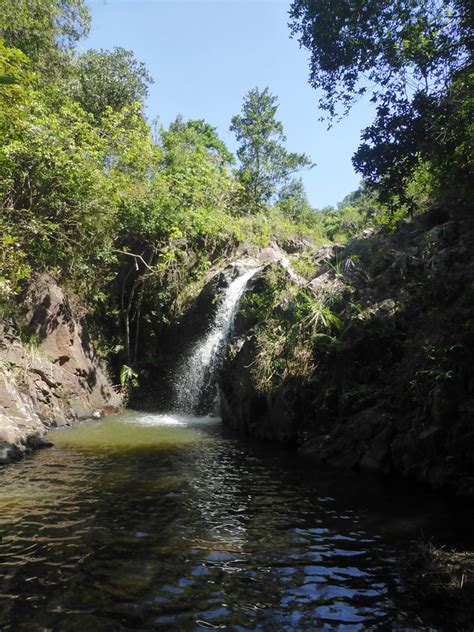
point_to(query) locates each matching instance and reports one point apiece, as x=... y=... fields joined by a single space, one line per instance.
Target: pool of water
x=162 y=522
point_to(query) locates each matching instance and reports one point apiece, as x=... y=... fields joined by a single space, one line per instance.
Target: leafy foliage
x=293 y=201
x=396 y=47
x=414 y=59
x=265 y=163
x=44 y=30
x=109 y=79
x=127 y=217
x=293 y=327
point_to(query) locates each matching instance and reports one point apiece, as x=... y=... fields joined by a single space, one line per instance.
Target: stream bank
x=286 y=414
x=50 y=374
x=391 y=388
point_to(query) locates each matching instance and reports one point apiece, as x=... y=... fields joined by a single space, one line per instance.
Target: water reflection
x=145 y=522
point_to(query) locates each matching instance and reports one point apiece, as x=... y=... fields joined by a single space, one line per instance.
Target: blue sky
x=205 y=55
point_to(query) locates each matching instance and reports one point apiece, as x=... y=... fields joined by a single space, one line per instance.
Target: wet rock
x=396 y=394
x=376 y=458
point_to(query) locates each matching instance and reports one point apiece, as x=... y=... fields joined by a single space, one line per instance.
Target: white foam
x=170 y=419
x=206 y=355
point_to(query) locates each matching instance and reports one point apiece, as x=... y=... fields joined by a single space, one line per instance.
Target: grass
x=444 y=578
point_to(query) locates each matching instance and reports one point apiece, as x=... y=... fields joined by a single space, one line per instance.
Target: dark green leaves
x=384 y=46
x=410 y=56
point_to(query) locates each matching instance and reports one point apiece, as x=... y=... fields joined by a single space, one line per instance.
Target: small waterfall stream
x=196 y=375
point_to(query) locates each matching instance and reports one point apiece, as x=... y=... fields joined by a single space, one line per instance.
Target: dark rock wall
x=157 y=381
x=397 y=393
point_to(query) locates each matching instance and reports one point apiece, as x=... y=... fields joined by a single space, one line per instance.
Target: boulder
x=54 y=378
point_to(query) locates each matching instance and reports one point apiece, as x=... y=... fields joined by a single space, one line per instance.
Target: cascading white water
x=197 y=370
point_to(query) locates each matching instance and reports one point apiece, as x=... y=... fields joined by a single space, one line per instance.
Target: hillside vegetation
x=133 y=217
x=129 y=216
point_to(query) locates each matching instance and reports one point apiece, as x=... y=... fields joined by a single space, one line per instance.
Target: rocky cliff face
x=393 y=390
x=157 y=382
x=50 y=375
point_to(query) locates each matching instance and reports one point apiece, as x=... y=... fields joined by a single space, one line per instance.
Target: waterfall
x=197 y=372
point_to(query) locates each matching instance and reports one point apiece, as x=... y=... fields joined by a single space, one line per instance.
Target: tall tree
x=414 y=59
x=198 y=132
x=265 y=164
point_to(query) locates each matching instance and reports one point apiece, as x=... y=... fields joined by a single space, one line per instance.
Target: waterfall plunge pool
x=147 y=521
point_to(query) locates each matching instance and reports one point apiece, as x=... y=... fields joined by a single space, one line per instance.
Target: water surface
x=161 y=522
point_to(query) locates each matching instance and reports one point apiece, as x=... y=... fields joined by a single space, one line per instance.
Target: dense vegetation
x=131 y=218
x=365 y=349
x=127 y=216
x=414 y=60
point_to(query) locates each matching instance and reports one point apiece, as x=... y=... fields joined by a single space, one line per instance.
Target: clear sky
x=205 y=55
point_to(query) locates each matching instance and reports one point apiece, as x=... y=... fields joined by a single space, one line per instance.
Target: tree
x=293 y=201
x=193 y=163
x=44 y=29
x=109 y=79
x=408 y=55
x=264 y=162
x=396 y=46
x=200 y=133
x=169 y=226
x=15 y=100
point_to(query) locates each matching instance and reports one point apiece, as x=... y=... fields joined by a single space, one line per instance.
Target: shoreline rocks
x=395 y=394
x=50 y=375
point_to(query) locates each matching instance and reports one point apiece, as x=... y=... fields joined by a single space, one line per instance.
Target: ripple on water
x=144 y=522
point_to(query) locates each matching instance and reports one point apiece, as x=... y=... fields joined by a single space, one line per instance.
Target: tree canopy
x=293 y=201
x=199 y=132
x=126 y=217
x=389 y=48
x=109 y=79
x=414 y=59
x=44 y=29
